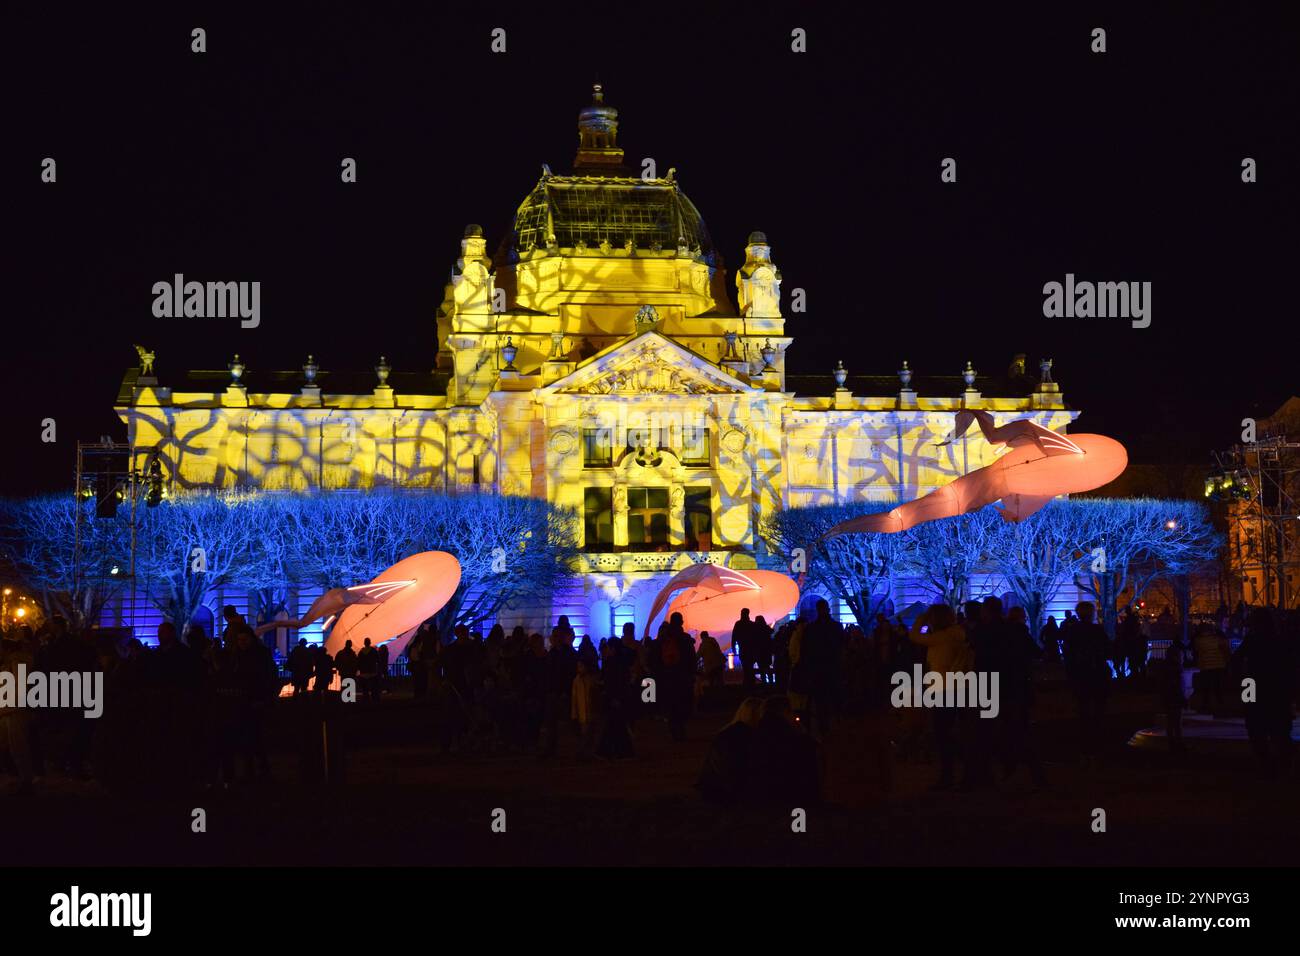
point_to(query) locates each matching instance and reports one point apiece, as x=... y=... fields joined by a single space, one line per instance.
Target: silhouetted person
x=345 y=662
x=1015 y=688
x=420 y=653
x=946 y=652
x=559 y=669
x=322 y=668
x=617 y=663
x=247 y=683
x=15 y=722
x=368 y=671
x=762 y=638
x=1169 y=687
x=301 y=667
x=1268 y=659
x=675 y=675
x=1132 y=645
x=175 y=676
x=1212 y=655
x=71 y=653
x=712 y=662
x=1085 y=665
x=235 y=624
x=726 y=776
x=1050 y=637
x=819 y=654
x=781 y=657
x=742 y=639
x=382 y=653
x=785 y=762
x=584 y=705
x=587 y=654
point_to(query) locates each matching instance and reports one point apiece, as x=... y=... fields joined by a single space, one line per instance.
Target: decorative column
x=620 y=513
x=676 y=515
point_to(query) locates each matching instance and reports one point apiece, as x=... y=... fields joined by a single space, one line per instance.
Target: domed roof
x=604 y=201
x=568 y=211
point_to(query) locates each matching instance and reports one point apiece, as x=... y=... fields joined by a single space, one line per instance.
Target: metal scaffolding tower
x=1260 y=483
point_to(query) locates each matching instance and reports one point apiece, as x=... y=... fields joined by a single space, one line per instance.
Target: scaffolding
x=104 y=472
x=1260 y=483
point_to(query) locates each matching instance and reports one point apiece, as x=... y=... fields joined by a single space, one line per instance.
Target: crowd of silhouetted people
x=179 y=713
x=203 y=705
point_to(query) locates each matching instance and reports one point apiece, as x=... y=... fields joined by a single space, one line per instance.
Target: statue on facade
x=647 y=317
x=146 y=361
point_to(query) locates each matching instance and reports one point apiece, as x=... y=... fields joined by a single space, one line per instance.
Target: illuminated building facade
x=1258 y=482
x=597 y=360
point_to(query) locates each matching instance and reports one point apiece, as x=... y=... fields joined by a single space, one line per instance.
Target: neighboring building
x=597 y=361
x=1259 y=484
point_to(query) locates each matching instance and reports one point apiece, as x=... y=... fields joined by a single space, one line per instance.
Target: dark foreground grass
x=401 y=803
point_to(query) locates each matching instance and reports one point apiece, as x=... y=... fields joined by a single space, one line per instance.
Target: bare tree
x=194 y=543
x=947 y=553
x=1126 y=543
x=856 y=568
x=38 y=538
x=1036 y=557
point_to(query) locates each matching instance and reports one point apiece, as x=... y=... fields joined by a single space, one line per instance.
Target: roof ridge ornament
x=647 y=317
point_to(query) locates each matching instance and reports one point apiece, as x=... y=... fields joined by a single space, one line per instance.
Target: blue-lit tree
x=856 y=568
x=194 y=543
x=946 y=554
x=1127 y=543
x=1036 y=557
x=512 y=550
x=38 y=540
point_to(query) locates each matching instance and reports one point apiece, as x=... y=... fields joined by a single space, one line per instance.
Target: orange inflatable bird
x=1039 y=465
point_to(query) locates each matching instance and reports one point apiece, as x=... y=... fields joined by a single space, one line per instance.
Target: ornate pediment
x=649 y=364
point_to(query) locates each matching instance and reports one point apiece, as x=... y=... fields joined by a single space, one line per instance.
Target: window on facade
x=695 y=447
x=647 y=519
x=699 y=519
x=597 y=449
x=598 y=519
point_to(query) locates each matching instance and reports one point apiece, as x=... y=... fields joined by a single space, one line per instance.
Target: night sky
x=225 y=166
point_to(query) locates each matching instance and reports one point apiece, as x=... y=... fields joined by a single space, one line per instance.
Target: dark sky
x=225 y=165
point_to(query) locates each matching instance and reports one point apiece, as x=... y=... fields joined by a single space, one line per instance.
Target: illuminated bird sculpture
x=711 y=597
x=1039 y=465
x=329 y=604
x=388 y=609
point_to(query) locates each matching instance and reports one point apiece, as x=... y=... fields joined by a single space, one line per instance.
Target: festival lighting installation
x=714 y=596
x=1039 y=465
x=418 y=588
x=389 y=608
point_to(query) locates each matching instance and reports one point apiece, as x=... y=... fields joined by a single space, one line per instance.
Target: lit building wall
x=605 y=309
